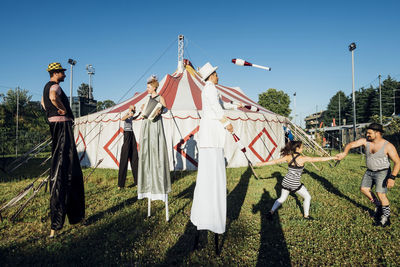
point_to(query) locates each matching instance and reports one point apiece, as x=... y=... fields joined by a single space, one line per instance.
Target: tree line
x=367 y=104
x=32 y=122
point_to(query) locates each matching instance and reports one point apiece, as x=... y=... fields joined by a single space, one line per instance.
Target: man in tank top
x=377 y=154
x=67 y=197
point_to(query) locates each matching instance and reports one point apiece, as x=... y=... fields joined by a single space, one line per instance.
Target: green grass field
x=118 y=232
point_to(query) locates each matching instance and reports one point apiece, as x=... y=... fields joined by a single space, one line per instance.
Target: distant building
x=82 y=106
x=338 y=136
x=314 y=120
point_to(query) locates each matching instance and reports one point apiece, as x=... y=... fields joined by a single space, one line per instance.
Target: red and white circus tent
x=100 y=135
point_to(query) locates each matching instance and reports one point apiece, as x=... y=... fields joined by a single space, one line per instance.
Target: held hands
x=61 y=112
x=340 y=156
x=240 y=105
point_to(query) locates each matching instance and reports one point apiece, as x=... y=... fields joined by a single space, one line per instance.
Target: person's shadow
x=192 y=152
x=332 y=189
x=177 y=254
x=182 y=249
x=235 y=201
x=273 y=249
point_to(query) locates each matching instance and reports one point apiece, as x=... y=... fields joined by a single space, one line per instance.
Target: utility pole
x=394 y=102
x=72 y=63
x=16 y=131
x=380 y=99
x=352 y=47
x=339 y=110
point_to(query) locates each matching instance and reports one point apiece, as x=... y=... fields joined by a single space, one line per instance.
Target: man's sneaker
x=383 y=221
x=378 y=212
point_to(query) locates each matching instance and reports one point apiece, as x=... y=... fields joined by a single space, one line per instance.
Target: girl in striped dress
x=291 y=154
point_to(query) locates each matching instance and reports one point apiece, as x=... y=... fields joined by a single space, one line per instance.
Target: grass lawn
x=118 y=232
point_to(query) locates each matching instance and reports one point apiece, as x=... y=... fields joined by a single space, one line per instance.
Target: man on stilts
x=209 y=200
x=377 y=154
x=66 y=179
x=129 y=149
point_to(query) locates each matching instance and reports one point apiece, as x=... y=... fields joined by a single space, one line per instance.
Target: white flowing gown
x=209 y=200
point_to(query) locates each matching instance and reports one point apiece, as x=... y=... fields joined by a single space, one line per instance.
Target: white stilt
x=148 y=207
x=166 y=209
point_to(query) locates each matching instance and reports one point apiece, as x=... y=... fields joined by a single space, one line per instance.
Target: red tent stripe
x=232 y=96
x=196 y=92
x=238 y=93
x=126 y=105
x=169 y=89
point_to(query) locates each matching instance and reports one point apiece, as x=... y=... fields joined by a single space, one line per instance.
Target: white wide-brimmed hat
x=207 y=70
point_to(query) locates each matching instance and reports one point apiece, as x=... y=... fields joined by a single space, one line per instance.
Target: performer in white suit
x=209 y=201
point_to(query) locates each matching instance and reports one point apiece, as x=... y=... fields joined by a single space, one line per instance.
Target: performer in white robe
x=209 y=201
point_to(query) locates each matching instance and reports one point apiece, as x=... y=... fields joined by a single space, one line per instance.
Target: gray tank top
x=378 y=160
x=128 y=124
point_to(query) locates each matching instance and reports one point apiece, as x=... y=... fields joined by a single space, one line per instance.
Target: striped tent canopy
x=100 y=135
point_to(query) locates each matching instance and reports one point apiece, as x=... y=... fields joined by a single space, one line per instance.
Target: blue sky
x=305 y=43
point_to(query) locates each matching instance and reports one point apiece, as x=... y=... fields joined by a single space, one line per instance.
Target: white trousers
x=209 y=199
x=302 y=192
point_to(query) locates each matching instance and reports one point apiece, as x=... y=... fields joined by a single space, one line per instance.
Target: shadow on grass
x=182 y=249
x=103 y=244
x=31 y=169
x=187 y=193
x=98 y=216
x=331 y=188
x=273 y=249
x=235 y=201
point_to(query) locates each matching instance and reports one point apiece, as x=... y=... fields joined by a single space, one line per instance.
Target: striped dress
x=291 y=181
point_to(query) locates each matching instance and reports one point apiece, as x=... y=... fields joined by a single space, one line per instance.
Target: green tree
x=332 y=111
x=83 y=90
x=275 y=101
x=32 y=125
x=388 y=87
x=10 y=100
x=101 y=105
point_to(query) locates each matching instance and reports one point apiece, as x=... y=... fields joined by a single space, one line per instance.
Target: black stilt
x=196 y=240
x=216 y=244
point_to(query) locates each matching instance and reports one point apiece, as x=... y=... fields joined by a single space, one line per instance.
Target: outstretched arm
x=392 y=153
x=354 y=144
x=316 y=159
x=272 y=162
x=127 y=115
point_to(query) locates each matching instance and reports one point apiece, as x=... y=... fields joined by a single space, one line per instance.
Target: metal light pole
x=294 y=105
x=72 y=63
x=16 y=131
x=90 y=71
x=294 y=111
x=352 y=47
x=380 y=99
x=339 y=110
